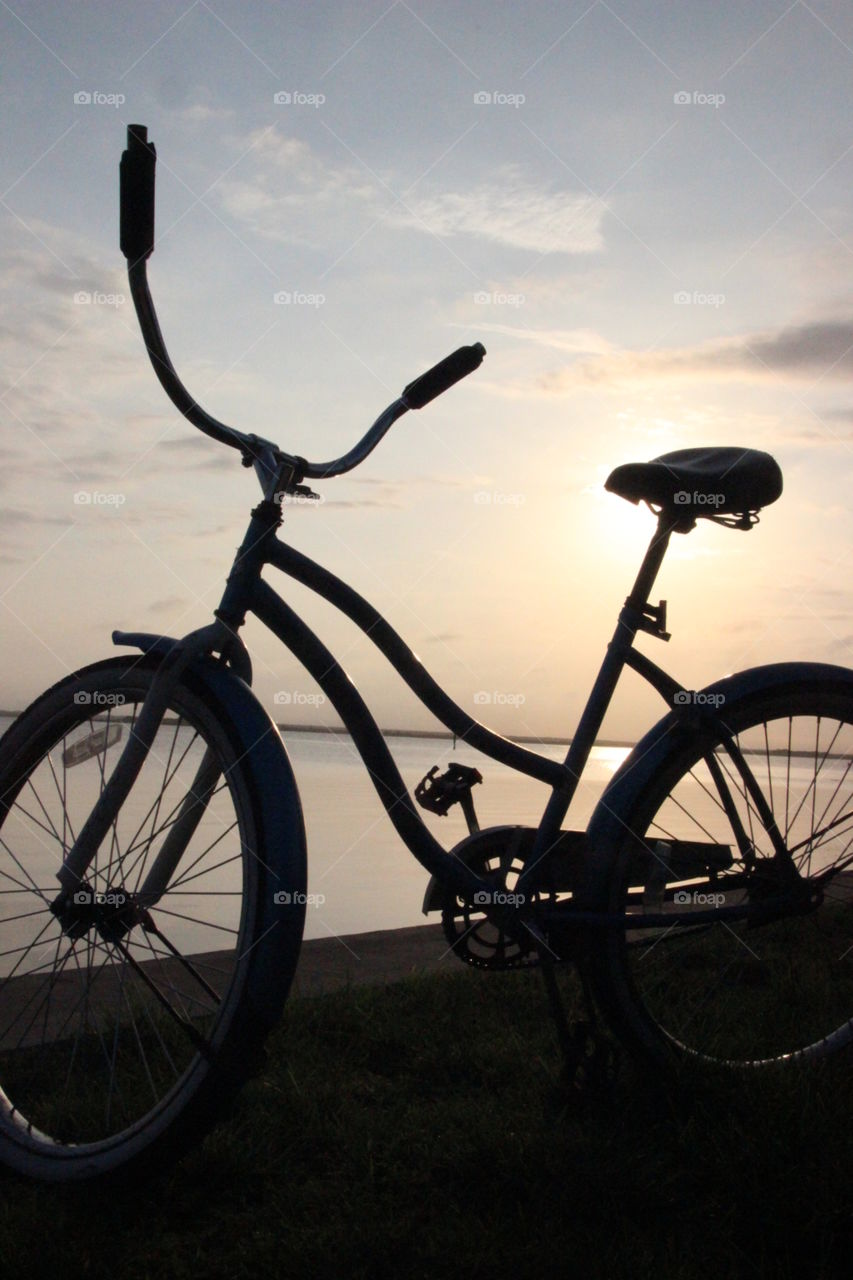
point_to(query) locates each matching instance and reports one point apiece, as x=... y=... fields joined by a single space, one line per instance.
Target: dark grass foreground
x=418 y=1131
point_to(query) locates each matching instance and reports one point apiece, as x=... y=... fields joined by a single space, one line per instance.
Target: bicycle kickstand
x=590 y=1058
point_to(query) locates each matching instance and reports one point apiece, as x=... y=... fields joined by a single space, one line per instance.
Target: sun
x=619 y=531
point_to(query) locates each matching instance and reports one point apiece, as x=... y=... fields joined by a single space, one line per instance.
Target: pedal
x=453 y=786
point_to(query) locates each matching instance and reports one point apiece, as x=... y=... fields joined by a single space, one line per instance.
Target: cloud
x=170 y=604
x=15 y=518
x=511 y=213
x=385 y=501
x=822 y=349
x=199 y=453
x=201 y=113
x=573 y=341
x=295 y=196
x=188 y=444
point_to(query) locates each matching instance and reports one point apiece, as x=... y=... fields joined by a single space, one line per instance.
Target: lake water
x=362 y=877
x=360 y=873
x=357 y=861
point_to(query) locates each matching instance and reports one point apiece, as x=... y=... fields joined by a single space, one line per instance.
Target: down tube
x=350 y=706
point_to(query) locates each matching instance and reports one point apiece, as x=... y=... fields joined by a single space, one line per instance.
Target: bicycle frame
x=246 y=591
x=258 y=597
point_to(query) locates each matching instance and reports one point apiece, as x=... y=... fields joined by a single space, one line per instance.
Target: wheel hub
x=111 y=913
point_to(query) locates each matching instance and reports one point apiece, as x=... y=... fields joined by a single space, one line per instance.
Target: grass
x=420 y=1130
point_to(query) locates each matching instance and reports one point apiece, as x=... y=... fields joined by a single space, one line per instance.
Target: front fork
x=72 y=874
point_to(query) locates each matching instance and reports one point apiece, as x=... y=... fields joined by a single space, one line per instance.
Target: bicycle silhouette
x=153 y=858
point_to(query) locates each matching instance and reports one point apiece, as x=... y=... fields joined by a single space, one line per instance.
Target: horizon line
x=547 y=740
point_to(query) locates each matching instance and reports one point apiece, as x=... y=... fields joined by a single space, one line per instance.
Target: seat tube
x=631 y=619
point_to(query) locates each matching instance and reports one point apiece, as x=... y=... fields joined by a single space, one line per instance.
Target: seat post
x=652 y=561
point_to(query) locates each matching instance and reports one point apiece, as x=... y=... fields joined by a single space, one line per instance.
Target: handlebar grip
x=136 y=182
x=443 y=375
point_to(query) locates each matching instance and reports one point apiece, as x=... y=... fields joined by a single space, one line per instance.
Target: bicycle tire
x=728 y=993
x=100 y=1077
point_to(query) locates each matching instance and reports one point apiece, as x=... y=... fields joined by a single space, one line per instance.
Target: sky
x=642 y=211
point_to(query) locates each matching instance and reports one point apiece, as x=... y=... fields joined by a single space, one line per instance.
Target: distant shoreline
x=340 y=731
x=444 y=733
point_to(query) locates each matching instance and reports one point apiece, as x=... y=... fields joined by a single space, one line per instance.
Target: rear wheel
x=124 y=1020
x=727 y=990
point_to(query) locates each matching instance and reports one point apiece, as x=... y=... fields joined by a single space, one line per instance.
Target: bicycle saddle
x=709 y=482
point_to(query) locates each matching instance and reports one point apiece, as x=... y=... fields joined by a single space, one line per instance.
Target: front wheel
x=127 y=1020
x=768 y=845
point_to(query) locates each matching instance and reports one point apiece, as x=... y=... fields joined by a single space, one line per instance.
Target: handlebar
x=136 y=181
x=443 y=375
x=136 y=184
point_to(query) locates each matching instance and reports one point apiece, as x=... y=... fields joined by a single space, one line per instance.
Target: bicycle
x=152 y=847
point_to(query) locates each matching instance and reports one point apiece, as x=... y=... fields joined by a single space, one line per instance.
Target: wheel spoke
x=772 y=988
x=107 y=1011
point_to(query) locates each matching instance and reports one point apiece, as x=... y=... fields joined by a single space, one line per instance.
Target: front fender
x=282 y=853
x=160 y=646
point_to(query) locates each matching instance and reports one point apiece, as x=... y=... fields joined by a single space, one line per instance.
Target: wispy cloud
x=821 y=349
x=512 y=213
x=572 y=341
x=202 y=113
x=294 y=195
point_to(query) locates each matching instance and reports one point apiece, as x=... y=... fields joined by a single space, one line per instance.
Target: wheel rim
x=732 y=991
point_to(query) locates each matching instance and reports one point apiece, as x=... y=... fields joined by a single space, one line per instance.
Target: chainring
x=497 y=855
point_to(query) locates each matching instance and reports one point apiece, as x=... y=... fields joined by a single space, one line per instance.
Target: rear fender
x=639 y=769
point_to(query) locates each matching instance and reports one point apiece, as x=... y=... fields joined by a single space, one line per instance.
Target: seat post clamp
x=651 y=618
